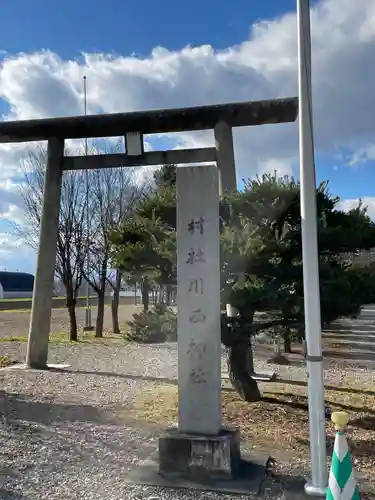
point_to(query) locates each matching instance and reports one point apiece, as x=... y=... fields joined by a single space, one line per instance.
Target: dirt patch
x=278 y=425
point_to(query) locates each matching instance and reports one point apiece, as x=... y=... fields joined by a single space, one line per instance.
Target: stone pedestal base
x=206 y=463
x=200 y=457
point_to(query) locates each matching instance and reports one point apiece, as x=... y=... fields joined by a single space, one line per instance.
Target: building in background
x=15 y=285
x=82 y=291
x=59 y=289
x=127 y=290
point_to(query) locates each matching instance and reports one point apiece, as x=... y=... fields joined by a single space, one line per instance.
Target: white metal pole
x=88 y=325
x=318 y=484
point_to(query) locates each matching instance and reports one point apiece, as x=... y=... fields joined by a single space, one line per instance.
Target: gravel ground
x=61 y=434
x=62 y=437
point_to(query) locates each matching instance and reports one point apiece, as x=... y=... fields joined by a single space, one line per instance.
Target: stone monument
x=199 y=448
x=198 y=299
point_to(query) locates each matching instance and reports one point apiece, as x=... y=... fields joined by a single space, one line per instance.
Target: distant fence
x=60 y=303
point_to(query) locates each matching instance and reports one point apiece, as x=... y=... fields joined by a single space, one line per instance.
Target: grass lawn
x=30 y=299
x=55 y=309
x=278 y=425
x=63 y=338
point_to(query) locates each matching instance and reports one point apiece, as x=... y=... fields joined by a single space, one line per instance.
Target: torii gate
x=200 y=447
x=221 y=118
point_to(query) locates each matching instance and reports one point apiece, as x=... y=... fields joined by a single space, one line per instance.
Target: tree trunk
x=238 y=367
x=249 y=316
x=169 y=295
x=160 y=295
x=115 y=303
x=250 y=358
x=145 y=294
x=71 y=306
x=100 y=315
x=278 y=348
x=287 y=344
x=241 y=365
x=304 y=348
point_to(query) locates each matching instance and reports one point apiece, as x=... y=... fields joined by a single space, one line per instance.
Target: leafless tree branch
x=71 y=241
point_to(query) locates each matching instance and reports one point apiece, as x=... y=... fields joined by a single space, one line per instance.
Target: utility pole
x=310 y=258
x=88 y=324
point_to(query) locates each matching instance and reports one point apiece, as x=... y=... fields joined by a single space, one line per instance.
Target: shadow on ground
x=349 y=356
x=348 y=328
x=301 y=383
x=359 y=448
x=11 y=495
x=347 y=336
x=126 y=376
x=19 y=407
x=366 y=347
x=172 y=381
x=367 y=422
x=297 y=405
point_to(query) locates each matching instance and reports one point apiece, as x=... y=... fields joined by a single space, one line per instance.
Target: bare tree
x=116 y=285
x=71 y=243
x=113 y=196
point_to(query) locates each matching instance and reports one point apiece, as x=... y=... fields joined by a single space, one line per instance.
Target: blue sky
x=240 y=50
x=126 y=27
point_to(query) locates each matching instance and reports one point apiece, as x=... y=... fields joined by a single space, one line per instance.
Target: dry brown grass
x=278 y=425
x=16 y=324
x=6 y=361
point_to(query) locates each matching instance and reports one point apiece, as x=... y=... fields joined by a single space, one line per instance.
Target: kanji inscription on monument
x=198 y=298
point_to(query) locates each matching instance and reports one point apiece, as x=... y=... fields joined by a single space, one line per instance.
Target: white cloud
x=362 y=155
x=9 y=244
x=368 y=201
x=274 y=165
x=14 y=254
x=42 y=84
x=264 y=66
x=14 y=214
